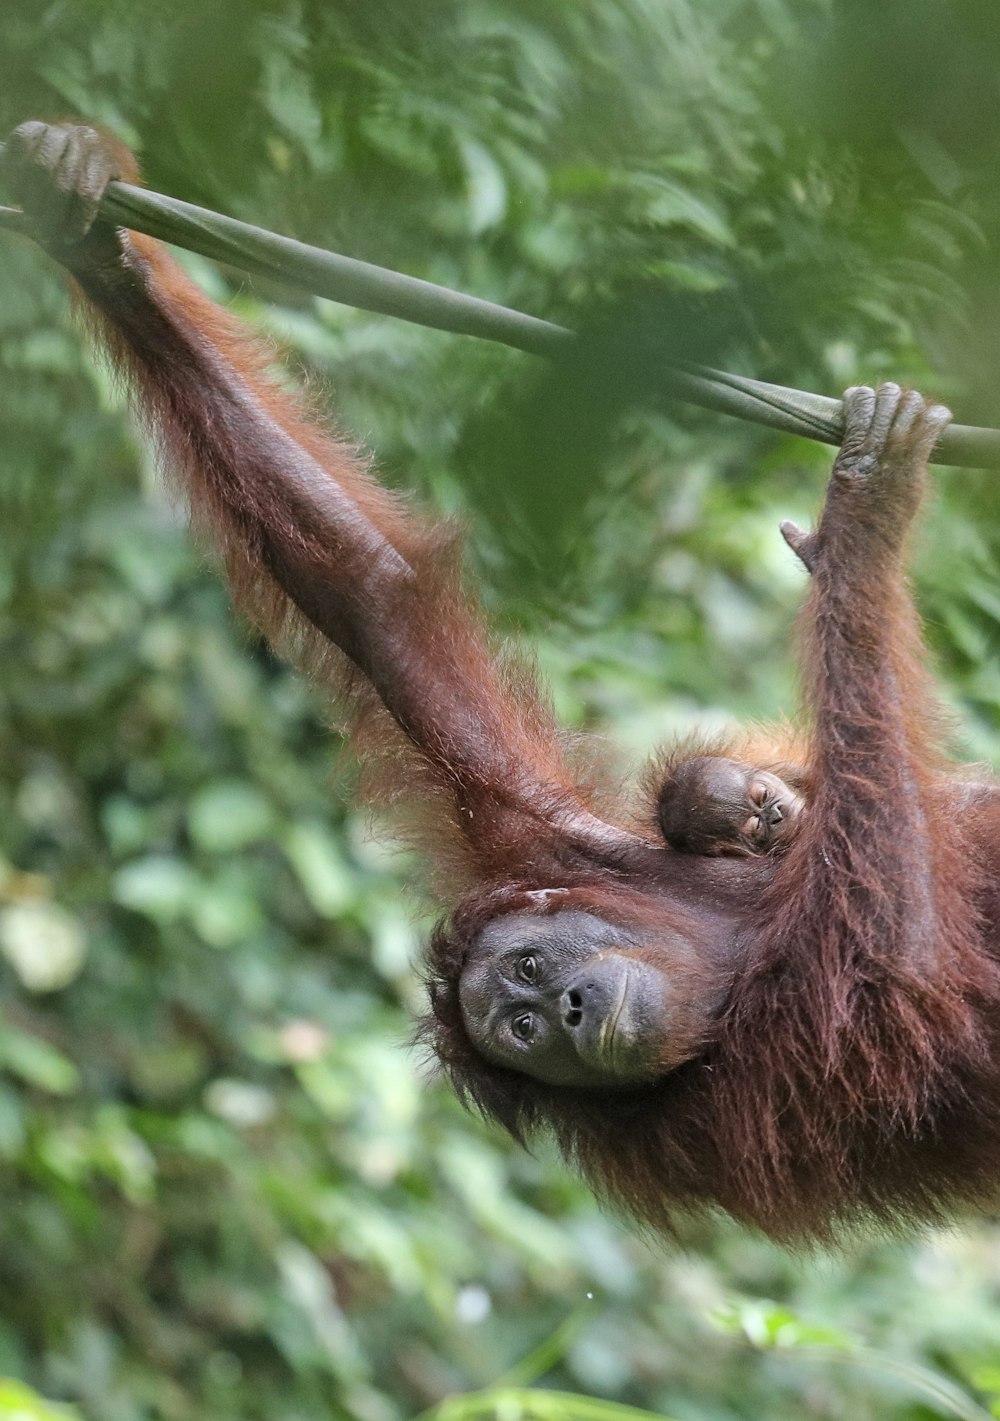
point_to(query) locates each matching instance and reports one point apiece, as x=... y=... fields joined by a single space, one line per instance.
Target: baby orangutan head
x=710 y=804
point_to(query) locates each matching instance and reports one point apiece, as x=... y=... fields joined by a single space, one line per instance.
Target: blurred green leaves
x=20 y=1403
x=37 y=1063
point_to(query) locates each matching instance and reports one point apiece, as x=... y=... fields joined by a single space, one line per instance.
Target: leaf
x=45 y=944
x=160 y=886
x=19 y=1403
x=229 y=814
x=37 y=1063
x=321 y=868
x=485 y=185
x=660 y=202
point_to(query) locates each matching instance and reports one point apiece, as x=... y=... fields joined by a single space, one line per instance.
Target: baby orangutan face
x=713 y=805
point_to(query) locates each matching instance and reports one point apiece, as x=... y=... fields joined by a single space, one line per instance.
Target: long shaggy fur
x=852 y=1076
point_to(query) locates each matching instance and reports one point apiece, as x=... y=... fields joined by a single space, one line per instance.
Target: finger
x=78 y=212
x=66 y=170
x=887 y=400
x=930 y=428
x=911 y=407
x=51 y=145
x=859 y=406
x=39 y=194
x=28 y=132
x=20 y=160
x=99 y=167
x=24 y=140
x=86 y=169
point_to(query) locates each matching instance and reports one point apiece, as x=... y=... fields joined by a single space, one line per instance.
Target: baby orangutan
x=712 y=804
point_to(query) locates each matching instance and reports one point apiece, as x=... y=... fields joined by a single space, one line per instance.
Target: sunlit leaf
x=45 y=944
x=229 y=815
x=36 y=1062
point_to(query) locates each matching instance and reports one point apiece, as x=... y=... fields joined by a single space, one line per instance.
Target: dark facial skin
x=714 y=805
x=560 y=999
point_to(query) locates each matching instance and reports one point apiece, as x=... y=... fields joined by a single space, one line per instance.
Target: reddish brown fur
x=853 y=1074
x=498 y=688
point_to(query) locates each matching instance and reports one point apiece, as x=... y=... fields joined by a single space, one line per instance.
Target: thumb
x=804 y=545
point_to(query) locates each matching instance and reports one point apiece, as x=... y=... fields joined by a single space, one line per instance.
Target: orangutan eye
x=753 y=826
x=758 y=793
x=523 y=1027
x=527 y=968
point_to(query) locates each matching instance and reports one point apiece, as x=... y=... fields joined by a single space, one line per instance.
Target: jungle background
x=229 y=1188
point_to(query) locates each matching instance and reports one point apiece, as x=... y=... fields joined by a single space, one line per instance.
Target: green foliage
x=20 y=1403
x=228 y=1187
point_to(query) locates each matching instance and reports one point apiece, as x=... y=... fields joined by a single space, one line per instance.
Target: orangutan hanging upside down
x=805 y=1038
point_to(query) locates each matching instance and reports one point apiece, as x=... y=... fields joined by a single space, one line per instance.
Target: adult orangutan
x=806 y=1039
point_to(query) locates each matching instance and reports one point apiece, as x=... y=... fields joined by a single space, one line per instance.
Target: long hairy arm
x=316 y=552
x=867 y=945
